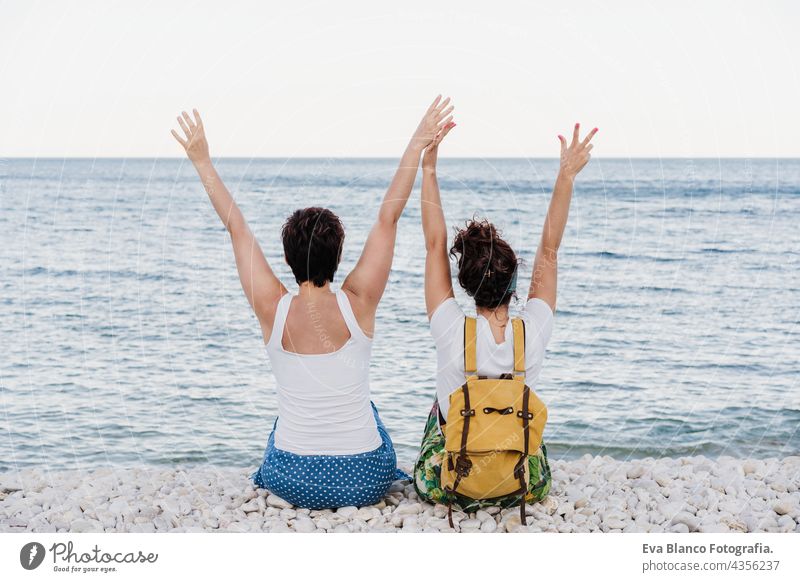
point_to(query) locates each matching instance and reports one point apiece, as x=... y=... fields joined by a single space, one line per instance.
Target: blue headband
x=512 y=286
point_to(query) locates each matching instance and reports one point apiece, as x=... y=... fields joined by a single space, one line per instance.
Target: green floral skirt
x=428 y=469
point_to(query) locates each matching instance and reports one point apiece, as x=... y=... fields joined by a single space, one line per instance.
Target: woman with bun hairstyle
x=487 y=271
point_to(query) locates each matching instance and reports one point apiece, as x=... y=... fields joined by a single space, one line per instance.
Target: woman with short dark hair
x=487 y=271
x=328 y=447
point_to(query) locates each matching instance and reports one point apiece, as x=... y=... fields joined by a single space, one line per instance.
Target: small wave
x=603 y=254
x=187 y=457
x=658 y=289
x=662 y=259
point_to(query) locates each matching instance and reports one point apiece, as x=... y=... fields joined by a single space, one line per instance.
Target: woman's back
x=314 y=324
x=323 y=398
x=493 y=359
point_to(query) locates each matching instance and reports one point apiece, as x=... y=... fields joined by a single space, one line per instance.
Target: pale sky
x=285 y=79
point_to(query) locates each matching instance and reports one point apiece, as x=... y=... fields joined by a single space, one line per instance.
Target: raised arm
x=438 y=283
x=262 y=288
x=544 y=279
x=367 y=281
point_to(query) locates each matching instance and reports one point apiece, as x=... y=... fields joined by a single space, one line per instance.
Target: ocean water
x=125 y=338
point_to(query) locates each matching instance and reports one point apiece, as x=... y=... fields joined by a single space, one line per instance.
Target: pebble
x=367 y=513
x=347 y=512
x=304 y=525
x=614 y=523
x=635 y=472
x=663 y=479
x=589 y=494
x=275 y=501
x=84 y=526
x=408 y=509
x=512 y=523
x=687 y=519
x=784 y=507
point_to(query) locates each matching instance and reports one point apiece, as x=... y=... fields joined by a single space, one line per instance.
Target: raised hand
x=432 y=151
x=575 y=155
x=435 y=119
x=195 y=142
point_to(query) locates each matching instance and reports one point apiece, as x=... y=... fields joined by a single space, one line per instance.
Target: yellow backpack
x=492 y=426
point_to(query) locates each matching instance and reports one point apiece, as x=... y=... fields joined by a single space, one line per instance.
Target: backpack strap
x=470 y=357
x=519 y=370
x=518 y=326
x=463 y=463
x=520 y=468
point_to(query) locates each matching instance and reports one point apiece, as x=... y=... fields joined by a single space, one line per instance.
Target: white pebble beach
x=590 y=494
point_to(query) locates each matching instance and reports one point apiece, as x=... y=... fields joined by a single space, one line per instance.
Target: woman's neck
x=311 y=292
x=498 y=320
x=496 y=315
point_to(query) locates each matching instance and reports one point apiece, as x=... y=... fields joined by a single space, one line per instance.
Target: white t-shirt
x=447 y=328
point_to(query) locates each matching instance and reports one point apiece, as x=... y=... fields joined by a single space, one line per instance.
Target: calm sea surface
x=125 y=338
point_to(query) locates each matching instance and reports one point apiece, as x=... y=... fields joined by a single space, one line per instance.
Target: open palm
x=194 y=140
x=577 y=154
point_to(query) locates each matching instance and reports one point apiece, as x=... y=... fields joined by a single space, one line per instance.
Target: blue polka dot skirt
x=329 y=481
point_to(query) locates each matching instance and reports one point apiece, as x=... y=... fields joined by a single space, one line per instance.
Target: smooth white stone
x=275 y=501
x=408 y=509
x=347 y=512
x=367 y=513
x=783 y=507
x=635 y=471
x=304 y=525
x=512 y=523
x=85 y=525
x=410 y=520
x=662 y=479
x=687 y=519
x=549 y=504
x=287 y=514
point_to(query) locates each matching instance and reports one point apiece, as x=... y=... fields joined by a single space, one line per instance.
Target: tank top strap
x=349 y=317
x=281 y=312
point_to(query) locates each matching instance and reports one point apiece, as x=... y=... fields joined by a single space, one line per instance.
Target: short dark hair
x=312 y=244
x=486 y=263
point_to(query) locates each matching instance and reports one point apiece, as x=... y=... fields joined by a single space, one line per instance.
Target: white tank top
x=323 y=399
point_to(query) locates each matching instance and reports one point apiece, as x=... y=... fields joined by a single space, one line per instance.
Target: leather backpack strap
x=518 y=326
x=470 y=349
x=519 y=371
x=526 y=416
x=463 y=464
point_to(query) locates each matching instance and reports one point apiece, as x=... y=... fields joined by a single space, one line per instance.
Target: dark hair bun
x=486 y=263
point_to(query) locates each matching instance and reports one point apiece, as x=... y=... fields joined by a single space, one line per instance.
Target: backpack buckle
x=463 y=466
x=528 y=415
x=470 y=412
x=501 y=411
x=519 y=469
